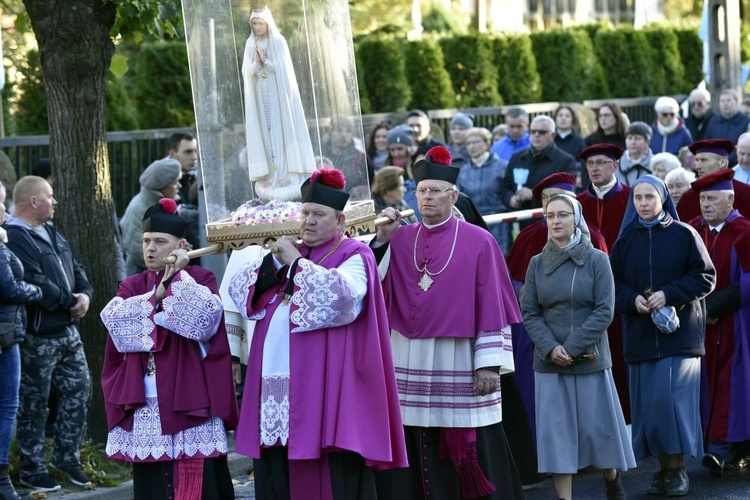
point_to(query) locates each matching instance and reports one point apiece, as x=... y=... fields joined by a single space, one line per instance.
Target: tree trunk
x=76 y=50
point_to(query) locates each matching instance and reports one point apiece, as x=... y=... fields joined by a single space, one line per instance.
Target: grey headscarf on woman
x=580 y=222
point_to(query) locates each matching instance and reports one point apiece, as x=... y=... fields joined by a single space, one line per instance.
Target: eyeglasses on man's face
x=598 y=163
x=538 y=131
x=550 y=216
x=432 y=191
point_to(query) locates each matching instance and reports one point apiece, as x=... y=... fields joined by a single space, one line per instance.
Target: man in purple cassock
x=726 y=373
x=450 y=303
x=320 y=406
x=167 y=375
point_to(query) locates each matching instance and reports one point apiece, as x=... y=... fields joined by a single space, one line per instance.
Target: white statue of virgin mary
x=279 y=153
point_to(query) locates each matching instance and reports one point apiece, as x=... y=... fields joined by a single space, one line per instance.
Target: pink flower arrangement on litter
x=256 y=211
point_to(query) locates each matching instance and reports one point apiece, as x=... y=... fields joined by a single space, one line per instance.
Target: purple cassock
x=474 y=296
x=342 y=390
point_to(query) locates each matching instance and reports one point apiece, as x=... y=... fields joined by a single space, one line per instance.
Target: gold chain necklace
x=426 y=281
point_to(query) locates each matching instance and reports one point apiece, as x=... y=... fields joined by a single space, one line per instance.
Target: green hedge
x=382 y=77
x=429 y=80
x=567 y=65
x=517 y=74
x=667 y=71
x=691 y=54
x=162 y=85
x=469 y=61
x=625 y=58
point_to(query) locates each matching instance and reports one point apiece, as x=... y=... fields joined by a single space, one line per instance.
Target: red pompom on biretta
x=329 y=177
x=440 y=155
x=168 y=205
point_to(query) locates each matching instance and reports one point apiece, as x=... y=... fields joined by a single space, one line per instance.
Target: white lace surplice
x=325 y=298
x=435 y=378
x=191 y=311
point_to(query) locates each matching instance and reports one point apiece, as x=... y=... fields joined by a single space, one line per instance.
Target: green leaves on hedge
x=381 y=76
x=430 y=82
x=469 y=61
x=517 y=74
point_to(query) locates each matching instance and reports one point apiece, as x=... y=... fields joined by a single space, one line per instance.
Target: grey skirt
x=665 y=405
x=579 y=423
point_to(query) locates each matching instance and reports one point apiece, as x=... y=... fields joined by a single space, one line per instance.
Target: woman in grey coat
x=567 y=305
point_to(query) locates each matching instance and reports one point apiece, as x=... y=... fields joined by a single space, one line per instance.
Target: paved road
x=588 y=485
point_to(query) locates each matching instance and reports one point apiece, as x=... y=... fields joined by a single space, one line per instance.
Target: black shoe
x=40 y=482
x=678 y=482
x=713 y=464
x=76 y=476
x=737 y=465
x=615 y=491
x=659 y=483
x=7 y=492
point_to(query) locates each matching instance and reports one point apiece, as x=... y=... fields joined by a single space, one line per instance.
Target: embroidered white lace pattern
x=146 y=443
x=274 y=410
x=191 y=310
x=129 y=322
x=240 y=284
x=324 y=299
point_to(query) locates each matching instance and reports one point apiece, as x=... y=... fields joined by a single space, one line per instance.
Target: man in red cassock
x=604 y=203
x=712 y=155
x=726 y=375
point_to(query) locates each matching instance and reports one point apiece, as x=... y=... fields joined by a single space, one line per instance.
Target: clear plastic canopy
x=275 y=96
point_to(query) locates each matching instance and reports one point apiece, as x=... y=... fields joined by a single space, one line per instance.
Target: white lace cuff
x=190 y=309
x=129 y=322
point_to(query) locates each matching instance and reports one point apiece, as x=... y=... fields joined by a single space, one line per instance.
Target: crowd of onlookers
x=632 y=286
x=661 y=321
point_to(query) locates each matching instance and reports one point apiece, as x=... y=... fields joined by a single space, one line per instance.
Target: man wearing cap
x=160 y=180
x=450 y=304
x=742 y=169
x=727 y=362
x=604 y=203
x=636 y=161
x=606 y=197
x=712 y=155
x=517 y=139
x=52 y=354
x=167 y=375
x=528 y=167
x=419 y=123
x=320 y=405
x=670 y=134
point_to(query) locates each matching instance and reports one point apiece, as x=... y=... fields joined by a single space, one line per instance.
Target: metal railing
x=130 y=152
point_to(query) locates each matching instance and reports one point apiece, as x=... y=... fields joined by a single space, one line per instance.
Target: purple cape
x=342 y=392
x=189 y=388
x=474 y=294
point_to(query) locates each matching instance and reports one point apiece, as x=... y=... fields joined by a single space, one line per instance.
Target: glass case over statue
x=275 y=94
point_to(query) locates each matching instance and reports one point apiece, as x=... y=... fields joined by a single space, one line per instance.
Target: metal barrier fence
x=130 y=152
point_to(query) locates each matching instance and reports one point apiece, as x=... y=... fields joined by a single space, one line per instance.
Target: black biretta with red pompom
x=163 y=218
x=436 y=166
x=325 y=187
